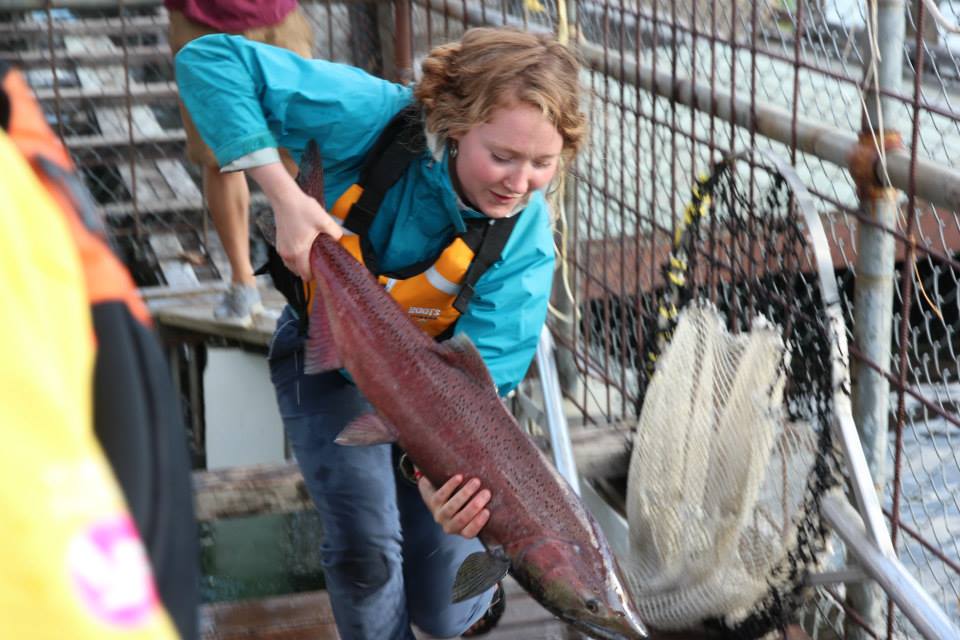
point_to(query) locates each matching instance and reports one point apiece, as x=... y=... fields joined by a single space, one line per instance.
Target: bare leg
x=229 y=200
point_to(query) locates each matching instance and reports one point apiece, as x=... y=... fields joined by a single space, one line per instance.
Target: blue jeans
x=387 y=563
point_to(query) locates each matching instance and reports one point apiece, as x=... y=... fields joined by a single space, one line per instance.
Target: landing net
x=733 y=451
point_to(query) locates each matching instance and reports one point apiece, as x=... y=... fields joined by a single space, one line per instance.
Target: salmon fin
x=320 y=352
x=478 y=573
x=310 y=177
x=460 y=352
x=367 y=429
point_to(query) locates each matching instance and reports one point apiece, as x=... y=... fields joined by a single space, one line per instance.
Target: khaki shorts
x=293 y=32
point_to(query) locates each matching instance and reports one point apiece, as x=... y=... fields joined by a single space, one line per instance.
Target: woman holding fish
x=445 y=202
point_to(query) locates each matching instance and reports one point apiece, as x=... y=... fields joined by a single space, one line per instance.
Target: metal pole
x=402 y=45
x=566 y=320
x=915 y=603
x=553 y=408
x=875 y=267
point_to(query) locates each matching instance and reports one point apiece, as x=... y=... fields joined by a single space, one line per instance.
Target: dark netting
x=743 y=245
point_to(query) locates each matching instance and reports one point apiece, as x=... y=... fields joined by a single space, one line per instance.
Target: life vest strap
x=4 y=99
x=494 y=234
x=400 y=143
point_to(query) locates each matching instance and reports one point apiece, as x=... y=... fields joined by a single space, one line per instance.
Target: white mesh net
x=717 y=475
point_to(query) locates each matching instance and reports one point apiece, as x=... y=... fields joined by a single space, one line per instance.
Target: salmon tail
x=320 y=351
x=310 y=177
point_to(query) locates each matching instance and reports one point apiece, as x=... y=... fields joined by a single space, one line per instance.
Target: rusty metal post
x=403 y=41
x=875 y=266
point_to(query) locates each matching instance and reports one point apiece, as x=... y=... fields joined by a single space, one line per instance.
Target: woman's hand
x=299 y=218
x=457 y=507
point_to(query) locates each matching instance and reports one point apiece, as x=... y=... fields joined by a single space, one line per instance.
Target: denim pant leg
x=354 y=490
x=430 y=562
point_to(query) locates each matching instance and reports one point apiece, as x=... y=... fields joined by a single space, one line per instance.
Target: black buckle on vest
x=463 y=298
x=359 y=219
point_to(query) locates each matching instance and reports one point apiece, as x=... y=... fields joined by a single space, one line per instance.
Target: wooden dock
x=307 y=616
x=189 y=311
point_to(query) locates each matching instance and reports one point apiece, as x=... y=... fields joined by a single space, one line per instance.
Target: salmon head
x=584 y=587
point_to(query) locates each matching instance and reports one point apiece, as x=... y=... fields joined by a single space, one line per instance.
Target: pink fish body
x=439 y=403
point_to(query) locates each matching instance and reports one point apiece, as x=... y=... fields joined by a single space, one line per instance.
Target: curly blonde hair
x=465 y=81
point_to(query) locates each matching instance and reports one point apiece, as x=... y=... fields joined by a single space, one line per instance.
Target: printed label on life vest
x=111 y=572
x=424 y=312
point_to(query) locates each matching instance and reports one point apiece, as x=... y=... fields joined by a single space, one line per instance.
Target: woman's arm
x=299 y=217
x=247 y=98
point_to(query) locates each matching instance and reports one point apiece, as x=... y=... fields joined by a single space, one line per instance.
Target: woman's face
x=501 y=162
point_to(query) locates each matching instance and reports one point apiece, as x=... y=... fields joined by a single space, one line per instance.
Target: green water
x=260 y=556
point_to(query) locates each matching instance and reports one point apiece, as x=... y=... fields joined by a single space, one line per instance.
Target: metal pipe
x=27 y=5
x=402 y=41
x=553 y=407
x=36 y=5
x=915 y=603
x=936 y=183
x=875 y=267
x=566 y=317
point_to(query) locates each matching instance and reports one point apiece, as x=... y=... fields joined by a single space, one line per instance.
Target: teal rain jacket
x=245 y=97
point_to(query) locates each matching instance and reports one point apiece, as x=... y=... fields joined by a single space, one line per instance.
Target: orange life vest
x=433 y=298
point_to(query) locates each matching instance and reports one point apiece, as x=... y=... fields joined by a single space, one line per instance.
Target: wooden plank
x=308 y=615
x=174 y=205
x=116 y=147
x=251 y=490
x=139 y=93
x=169 y=252
x=43 y=57
x=92 y=26
x=162 y=292
x=195 y=316
x=175 y=174
x=298 y=616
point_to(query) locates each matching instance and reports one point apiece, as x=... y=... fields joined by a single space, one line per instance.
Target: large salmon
x=439 y=403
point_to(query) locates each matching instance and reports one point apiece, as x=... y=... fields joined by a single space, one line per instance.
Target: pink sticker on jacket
x=111 y=572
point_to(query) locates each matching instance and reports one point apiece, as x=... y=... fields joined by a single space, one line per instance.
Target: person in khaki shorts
x=276 y=22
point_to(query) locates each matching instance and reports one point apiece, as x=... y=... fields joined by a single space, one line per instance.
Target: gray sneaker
x=238 y=304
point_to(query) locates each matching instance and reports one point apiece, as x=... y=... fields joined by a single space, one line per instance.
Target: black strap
x=494 y=234
x=4 y=98
x=139 y=426
x=399 y=144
